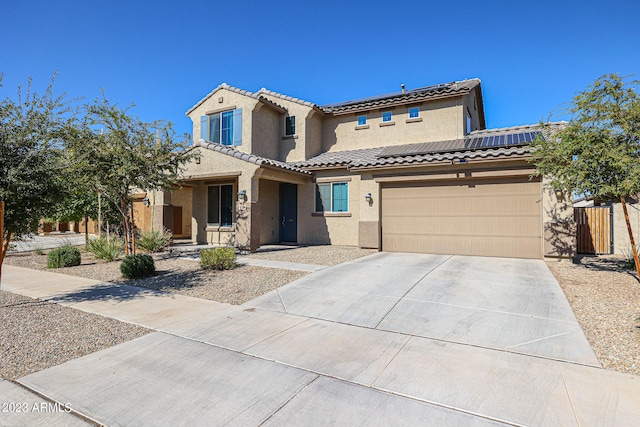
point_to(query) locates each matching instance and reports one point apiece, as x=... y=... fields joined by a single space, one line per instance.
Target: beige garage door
x=491 y=217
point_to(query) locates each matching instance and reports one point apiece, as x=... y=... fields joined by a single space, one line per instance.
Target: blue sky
x=164 y=56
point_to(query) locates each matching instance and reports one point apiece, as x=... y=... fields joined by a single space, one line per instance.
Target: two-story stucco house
x=412 y=171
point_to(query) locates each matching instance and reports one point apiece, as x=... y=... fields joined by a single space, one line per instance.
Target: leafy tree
x=598 y=152
x=78 y=203
x=114 y=153
x=31 y=128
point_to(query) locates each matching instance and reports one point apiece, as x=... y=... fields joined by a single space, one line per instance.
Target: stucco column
x=199 y=213
x=559 y=226
x=255 y=214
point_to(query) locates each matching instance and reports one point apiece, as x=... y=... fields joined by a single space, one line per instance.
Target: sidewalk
x=213 y=363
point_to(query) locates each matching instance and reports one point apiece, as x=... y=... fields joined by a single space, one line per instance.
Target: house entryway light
x=368 y=198
x=146 y=201
x=242 y=195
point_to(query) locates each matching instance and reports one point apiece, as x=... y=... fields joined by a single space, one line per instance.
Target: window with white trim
x=386 y=116
x=414 y=112
x=220 y=205
x=362 y=120
x=332 y=197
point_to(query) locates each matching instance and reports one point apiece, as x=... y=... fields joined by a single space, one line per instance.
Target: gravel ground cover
x=605 y=298
x=184 y=276
x=35 y=335
x=178 y=275
x=322 y=255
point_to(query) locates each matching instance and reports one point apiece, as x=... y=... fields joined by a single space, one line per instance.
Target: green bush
x=137 y=266
x=218 y=259
x=154 y=240
x=108 y=249
x=66 y=256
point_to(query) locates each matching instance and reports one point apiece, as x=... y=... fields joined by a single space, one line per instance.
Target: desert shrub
x=627 y=258
x=66 y=256
x=137 y=266
x=106 y=248
x=154 y=240
x=218 y=259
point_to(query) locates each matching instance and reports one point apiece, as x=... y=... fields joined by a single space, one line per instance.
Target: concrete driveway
x=500 y=303
x=390 y=339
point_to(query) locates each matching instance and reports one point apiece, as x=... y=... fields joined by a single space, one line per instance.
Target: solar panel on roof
x=468 y=143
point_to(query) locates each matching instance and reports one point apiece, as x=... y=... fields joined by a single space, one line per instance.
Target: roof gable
x=234 y=89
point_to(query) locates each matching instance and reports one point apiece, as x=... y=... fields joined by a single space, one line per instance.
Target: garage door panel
x=477 y=205
x=483 y=246
x=458 y=226
x=498 y=217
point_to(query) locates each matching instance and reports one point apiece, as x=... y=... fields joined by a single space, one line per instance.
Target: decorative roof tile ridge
x=247 y=157
x=424 y=91
x=222 y=86
x=266 y=91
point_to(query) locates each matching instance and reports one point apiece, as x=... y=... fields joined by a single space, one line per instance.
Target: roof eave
x=423 y=163
x=400 y=102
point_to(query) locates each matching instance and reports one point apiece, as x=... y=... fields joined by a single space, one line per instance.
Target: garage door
x=490 y=217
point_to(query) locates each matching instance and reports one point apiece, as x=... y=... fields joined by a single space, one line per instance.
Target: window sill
x=383 y=124
x=414 y=120
x=219 y=228
x=290 y=137
x=331 y=214
x=359 y=127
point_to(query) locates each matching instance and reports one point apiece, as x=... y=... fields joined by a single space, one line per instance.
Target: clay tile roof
x=400 y=98
x=265 y=91
x=477 y=145
x=239 y=91
x=251 y=158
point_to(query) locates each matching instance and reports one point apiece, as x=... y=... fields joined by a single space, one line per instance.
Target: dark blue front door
x=288 y=212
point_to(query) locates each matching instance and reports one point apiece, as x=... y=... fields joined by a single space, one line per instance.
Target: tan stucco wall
x=329 y=228
x=291 y=148
x=313 y=134
x=269 y=211
x=559 y=226
x=441 y=120
x=265 y=140
x=230 y=100
x=218 y=168
x=470 y=106
x=183 y=197
x=621 y=242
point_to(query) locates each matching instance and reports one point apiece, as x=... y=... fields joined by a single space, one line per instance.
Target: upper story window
x=290 y=125
x=332 y=197
x=362 y=120
x=220 y=205
x=222 y=128
x=386 y=116
x=414 y=112
x=468 y=123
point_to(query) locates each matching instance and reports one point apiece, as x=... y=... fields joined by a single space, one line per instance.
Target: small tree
x=598 y=152
x=114 y=153
x=31 y=128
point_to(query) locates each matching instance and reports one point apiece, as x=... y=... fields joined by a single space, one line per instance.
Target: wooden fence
x=594 y=229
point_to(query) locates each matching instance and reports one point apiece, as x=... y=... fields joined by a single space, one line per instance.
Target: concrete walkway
x=390 y=339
